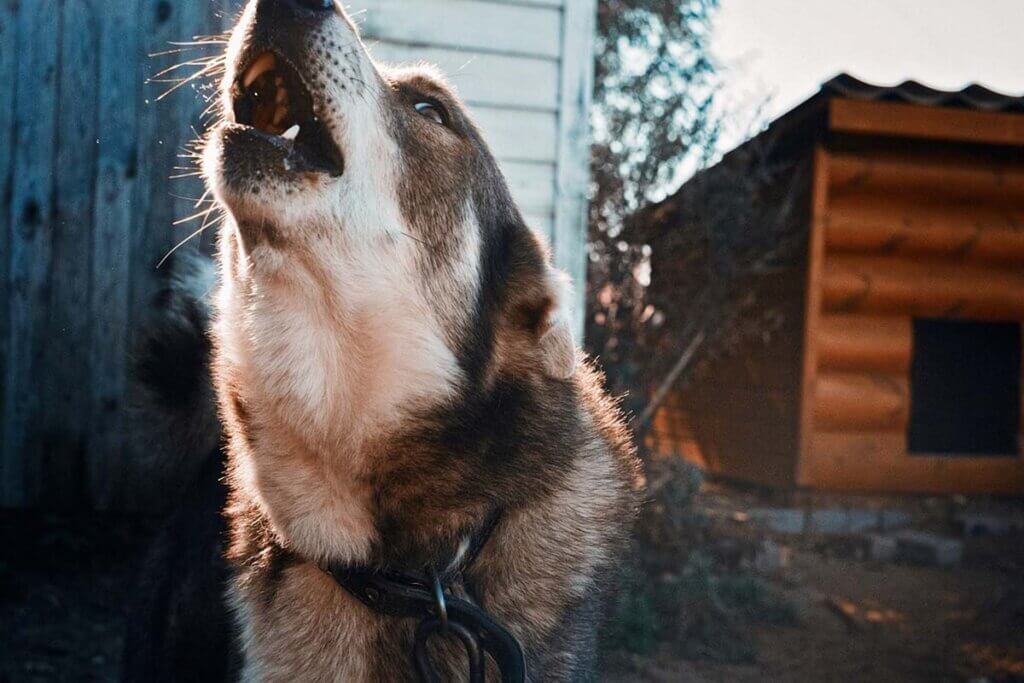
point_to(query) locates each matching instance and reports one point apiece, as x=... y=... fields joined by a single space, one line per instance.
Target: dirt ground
x=913 y=624
x=65 y=581
x=862 y=620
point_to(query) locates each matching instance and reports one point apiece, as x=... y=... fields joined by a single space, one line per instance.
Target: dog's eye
x=432 y=111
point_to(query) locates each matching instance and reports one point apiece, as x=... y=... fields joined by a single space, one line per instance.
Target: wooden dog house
x=897 y=366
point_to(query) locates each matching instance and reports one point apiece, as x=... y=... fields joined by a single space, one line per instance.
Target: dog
x=397 y=384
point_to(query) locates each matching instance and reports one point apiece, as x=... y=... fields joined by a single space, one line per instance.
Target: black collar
x=428 y=596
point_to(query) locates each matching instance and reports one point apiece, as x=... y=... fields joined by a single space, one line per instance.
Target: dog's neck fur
x=540 y=575
x=305 y=481
x=316 y=479
x=326 y=371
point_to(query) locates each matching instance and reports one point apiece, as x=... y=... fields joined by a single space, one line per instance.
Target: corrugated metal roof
x=802 y=125
x=911 y=92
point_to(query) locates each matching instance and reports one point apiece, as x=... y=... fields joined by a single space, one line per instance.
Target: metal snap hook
x=439 y=601
x=474 y=650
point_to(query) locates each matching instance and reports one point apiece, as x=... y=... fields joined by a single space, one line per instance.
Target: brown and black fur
x=179 y=628
x=514 y=426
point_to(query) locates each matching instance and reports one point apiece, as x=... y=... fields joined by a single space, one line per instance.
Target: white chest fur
x=331 y=351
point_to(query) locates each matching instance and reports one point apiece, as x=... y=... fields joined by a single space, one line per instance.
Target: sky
x=776 y=53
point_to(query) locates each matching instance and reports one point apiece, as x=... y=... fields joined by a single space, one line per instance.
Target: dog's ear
x=553 y=327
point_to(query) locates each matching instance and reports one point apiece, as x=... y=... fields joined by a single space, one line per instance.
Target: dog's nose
x=315 y=4
x=295 y=8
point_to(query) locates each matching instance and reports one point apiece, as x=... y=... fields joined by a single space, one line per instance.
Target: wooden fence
x=86 y=148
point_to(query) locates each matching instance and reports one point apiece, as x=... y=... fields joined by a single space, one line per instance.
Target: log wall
x=902 y=235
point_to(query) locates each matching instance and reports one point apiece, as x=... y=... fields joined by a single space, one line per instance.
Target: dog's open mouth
x=271 y=98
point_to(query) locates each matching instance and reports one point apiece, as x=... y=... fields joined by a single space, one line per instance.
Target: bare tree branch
x=666 y=385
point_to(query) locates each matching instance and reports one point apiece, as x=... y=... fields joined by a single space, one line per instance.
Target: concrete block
x=843 y=521
x=780 y=520
x=893 y=520
x=859 y=521
x=929 y=549
x=991 y=524
x=831 y=521
x=771 y=557
x=882 y=548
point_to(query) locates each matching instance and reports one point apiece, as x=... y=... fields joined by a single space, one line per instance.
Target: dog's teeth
x=262 y=65
x=291 y=133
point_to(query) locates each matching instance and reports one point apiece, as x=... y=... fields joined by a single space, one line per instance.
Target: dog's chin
x=260 y=177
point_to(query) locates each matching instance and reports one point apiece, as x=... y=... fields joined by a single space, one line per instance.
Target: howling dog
x=422 y=478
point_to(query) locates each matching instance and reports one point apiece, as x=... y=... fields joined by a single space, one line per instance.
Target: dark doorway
x=965 y=388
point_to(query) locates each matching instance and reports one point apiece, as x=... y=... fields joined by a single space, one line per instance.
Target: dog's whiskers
x=198 y=201
x=197 y=215
x=209 y=67
x=205 y=215
x=155 y=78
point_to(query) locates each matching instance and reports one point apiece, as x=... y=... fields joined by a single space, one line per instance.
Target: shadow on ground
x=66 y=580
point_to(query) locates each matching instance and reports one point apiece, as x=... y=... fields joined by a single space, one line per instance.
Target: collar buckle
x=440 y=613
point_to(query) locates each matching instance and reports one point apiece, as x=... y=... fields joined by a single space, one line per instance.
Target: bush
x=633 y=623
x=672 y=592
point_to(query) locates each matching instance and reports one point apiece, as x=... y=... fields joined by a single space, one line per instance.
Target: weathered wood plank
x=866 y=343
x=573 y=176
x=468 y=24
x=541 y=223
x=937 y=176
x=482 y=78
x=65 y=406
x=539 y=3
x=859 y=402
x=183 y=112
x=929 y=123
x=812 y=305
x=8 y=78
x=165 y=126
x=532 y=186
x=164 y=129
x=155 y=208
x=971 y=231
x=921 y=287
x=876 y=462
x=221 y=15
x=112 y=244
x=519 y=135
x=30 y=245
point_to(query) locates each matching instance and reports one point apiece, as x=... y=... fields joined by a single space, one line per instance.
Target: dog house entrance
x=965 y=388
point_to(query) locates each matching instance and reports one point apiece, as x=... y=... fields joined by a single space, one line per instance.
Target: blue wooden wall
x=86 y=151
